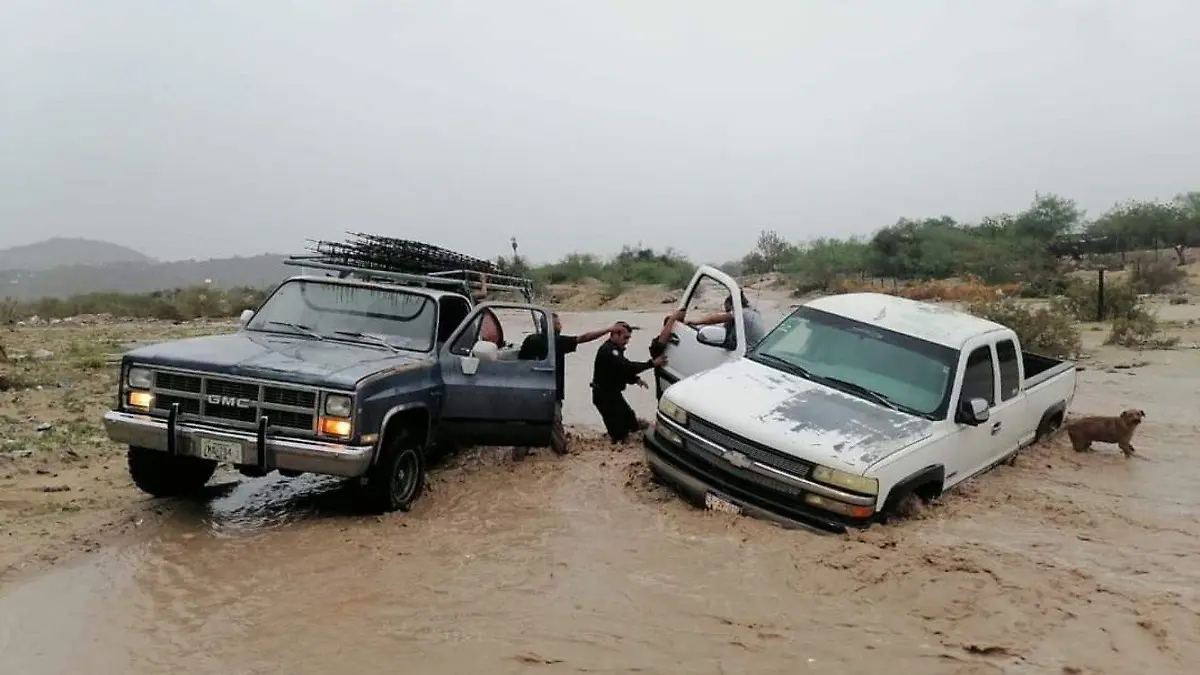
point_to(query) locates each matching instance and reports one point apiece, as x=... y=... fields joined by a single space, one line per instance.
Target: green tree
x=770 y=254
x=1142 y=224
x=1049 y=216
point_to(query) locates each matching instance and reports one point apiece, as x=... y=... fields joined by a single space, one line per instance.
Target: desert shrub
x=1140 y=330
x=946 y=290
x=1179 y=300
x=632 y=265
x=1155 y=276
x=8 y=311
x=1044 y=286
x=804 y=286
x=1082 y=296
x=1044 y=330
x=614 y=286
x=180 y=304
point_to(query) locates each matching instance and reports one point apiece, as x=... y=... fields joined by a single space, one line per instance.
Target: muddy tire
x=398 y=477
x=163 y=475
x=1047 y=428
x=904 y=505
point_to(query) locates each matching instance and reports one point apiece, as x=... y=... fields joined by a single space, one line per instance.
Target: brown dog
x=1087 y=430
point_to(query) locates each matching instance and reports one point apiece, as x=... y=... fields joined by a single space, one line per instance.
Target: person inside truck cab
x=490 y=329
x=751 y=319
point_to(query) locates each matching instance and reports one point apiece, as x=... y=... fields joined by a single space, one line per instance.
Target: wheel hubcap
x=405 y=478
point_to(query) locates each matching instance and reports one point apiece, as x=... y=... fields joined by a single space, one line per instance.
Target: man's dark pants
x=619 y=418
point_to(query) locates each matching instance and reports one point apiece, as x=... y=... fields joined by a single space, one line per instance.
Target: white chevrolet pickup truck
x=851 y=404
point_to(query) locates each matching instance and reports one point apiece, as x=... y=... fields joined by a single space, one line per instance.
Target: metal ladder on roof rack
x=465 y=281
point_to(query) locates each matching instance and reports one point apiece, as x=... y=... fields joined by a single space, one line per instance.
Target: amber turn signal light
x=332 y=426
x=141 y=399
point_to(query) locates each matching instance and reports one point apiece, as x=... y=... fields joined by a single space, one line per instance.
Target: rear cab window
x=1010 y=369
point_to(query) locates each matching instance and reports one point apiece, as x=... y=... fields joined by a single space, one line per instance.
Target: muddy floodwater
x=1063 y=563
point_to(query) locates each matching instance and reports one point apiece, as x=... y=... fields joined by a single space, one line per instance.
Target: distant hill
x=62 y=251
x=143 y=277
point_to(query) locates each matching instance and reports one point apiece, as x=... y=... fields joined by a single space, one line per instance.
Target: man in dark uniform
x=534 y=348
x=613 y=372
x=658 y=345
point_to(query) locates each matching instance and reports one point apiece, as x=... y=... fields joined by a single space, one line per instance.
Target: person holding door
x=751 y=319
x=535 y=348
x=658 y=345
x=612 y=373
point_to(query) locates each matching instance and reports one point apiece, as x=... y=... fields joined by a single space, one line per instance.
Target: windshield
x=871 y=362
x=318 y=310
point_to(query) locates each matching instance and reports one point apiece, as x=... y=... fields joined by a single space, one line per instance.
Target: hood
x=797 y=416
x=276 y=357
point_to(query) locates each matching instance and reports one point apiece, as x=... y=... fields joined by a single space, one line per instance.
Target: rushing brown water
x=1064 y=563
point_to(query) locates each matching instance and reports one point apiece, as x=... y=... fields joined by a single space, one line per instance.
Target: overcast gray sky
x=202 y=129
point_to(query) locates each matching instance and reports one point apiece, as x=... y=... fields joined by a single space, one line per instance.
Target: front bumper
x=696 y=479
x=258 y=449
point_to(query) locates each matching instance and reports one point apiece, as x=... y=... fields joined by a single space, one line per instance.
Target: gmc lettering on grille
x=229 y=401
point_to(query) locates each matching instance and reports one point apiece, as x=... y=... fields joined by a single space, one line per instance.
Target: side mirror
x=973 y=412
x=244 y=319
x=712 y=336
x=470 y=365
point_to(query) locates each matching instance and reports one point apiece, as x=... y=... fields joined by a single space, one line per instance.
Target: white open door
x=692 y=351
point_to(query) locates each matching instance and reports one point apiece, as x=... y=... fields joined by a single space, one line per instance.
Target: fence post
x=1100 y=295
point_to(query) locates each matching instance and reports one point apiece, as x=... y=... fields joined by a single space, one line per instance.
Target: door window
x=709 y=297
x=979 y=378
x=504 y=328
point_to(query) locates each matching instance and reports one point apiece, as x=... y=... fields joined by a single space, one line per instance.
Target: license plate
x=714 y=503
x=227 y=452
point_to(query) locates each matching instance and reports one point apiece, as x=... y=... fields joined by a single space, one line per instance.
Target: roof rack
x=411 y=263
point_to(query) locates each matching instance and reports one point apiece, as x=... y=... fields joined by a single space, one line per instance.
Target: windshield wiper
x=871 y=393
x=789 y=366
x=298 y=327
x=375 y=339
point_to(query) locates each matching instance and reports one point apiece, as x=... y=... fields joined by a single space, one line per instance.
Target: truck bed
x=1039 y=369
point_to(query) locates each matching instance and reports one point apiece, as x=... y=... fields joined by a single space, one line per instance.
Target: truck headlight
x=338 y=405
x=848 y=481
x=140 y=378
x=672 y=411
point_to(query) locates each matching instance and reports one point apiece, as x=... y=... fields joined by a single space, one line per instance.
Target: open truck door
x=492 y=397
x=694 y=350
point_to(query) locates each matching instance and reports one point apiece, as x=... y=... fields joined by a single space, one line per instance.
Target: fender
x=934 y=474
x=396 y=410
x=1059 y=408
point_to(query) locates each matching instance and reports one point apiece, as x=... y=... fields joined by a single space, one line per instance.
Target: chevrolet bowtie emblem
x=737 y=459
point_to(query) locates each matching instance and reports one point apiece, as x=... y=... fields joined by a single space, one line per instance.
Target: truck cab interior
x=452 y=311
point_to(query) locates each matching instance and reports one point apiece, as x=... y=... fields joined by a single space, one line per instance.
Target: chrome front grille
x=236 y=402
x=758 y=453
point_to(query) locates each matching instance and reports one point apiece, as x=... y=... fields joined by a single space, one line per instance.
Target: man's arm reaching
x=593 y=335
x=711 y=319
x=632 y=369
x=481 y=294
x=669 y=326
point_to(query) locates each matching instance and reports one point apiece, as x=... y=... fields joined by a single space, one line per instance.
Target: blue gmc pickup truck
x=342 y=375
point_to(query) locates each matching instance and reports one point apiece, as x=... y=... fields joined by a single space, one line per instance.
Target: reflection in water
x=581 y=565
